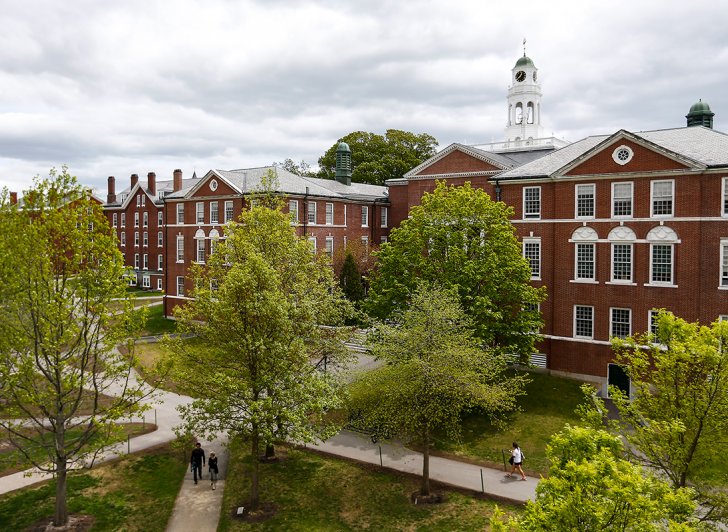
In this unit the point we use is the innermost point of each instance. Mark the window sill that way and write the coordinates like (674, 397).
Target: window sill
(661, 285)
(180, 262)
(536, 279)
(583, 281)
(723, 287)
(621, 283)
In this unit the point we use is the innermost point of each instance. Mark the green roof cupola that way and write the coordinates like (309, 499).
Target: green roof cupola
(700, 115)
(343, 163)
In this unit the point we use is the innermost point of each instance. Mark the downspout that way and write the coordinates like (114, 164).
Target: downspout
(305, 212)
(497, 191)
(165, 250)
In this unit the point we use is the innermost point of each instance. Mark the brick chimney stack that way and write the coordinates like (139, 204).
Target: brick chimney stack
(13, 198)
(152, 183)
(177, 181)
(111, 196)
(134, 180)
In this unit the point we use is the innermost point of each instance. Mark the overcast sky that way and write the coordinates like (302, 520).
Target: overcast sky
(115, 88)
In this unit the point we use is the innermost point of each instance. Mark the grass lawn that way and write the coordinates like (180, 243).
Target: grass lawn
(133, 291)
(313, 492)
(549, 405)
(11, 460)
(134, 493)
(157, 324)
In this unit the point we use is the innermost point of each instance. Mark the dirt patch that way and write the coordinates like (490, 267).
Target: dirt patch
(76, 523)
(436, 497)
(265, 511)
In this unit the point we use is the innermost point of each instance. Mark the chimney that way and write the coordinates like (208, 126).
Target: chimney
(152, 183)
(134, 180)
(111, 196)
(13, 198)
(177, 181)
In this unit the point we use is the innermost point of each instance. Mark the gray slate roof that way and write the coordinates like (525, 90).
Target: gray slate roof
(701, 144)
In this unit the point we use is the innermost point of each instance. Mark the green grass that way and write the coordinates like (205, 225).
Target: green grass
(135, 493)
(313, 492)
(133, 291)
(157, 324)
(547, 407)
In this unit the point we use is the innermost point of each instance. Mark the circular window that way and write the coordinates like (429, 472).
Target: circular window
(213, 185)
(622, 155)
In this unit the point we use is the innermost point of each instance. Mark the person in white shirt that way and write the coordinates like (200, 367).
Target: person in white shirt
(516, 460)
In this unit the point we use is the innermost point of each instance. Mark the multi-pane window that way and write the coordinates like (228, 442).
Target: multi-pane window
(136, 219)
(145, 220)
(621, 262)
(312, 242)
(136, 260)
(531, 202)
(139, 200)
(311, 214)
(145, 239)
(382, 239)
(160, 262)
(200, 250)
(146, 282)
(160, 218)
(724, 203)
(180, 213)
(144, 200)
(622, 199)
(228, 211)
(662, 198)
(180, 248)
(621, 322)
(583, 321)
(585, 262)
(661, 267)
(364, 216)
(123, 219)
(724, 263)
(384, 217)
(214, 213)
(200, 213)
(160, 239)
(180, 285)
(532, 252)
(652, 321)
(329, 214)
(146, 261)
(585, 201)
(365, 242)
(122, 238)
(330, 246)
(159, 283)
(113, 219)
(136, 238)
(293, 210)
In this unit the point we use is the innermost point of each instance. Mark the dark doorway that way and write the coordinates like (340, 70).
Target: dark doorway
(616, 376)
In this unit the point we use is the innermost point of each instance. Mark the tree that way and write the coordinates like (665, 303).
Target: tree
(301, 168)
(435, 372)
(264, 298)
(679, 409)
(376, 158)
(591, 487)
(350, 280)
(461, 238)
(61, 272)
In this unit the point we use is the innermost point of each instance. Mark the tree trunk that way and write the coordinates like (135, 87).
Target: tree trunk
(61, 515)
(425, 488)
(254, 449)
(270, 451)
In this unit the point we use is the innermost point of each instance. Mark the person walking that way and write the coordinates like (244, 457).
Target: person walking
(197, 460)
(212, 466)
(516, 460)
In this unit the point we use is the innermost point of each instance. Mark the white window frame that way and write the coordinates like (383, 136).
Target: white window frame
(329, 249)
(671, 281)
(145, 239)
(723, 266)
(576, 320)
(123, 219)
(200, 250)
(527, 213)
(329, 214)
(382, 239)
(631, 199)
(136, 219)
(214, 213)
(593, 247)
(312, 241)
(200, 213)
(180, 248)
(136, 239)
(293, 210)
(585, 186)
(160, 239)
(139, 200)
(365, 242)
(146, 281)
(160, 218)
(145, 219)
(651, 315)
(384, 217)
(311, 213)
(160, 262)
(144, 200)
(531, 241)
(122, 239)
(180, 213)
(160, 285)
(612, 322)
(653, 199)
(136, 261)
(145, 261)
(180, 285)
(365, 216)
(630, 246)
(229, 214)
(114, 218)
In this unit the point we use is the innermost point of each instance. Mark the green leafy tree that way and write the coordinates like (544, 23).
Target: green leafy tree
(350, 280)
(435, 371)
(591, 487)
(676, 421)
(376, 158)
(63, 385)
(301, 168)
(259, 307)
(461, 238)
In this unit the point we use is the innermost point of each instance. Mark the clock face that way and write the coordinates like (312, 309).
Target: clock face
(534, 76)
(520, 75)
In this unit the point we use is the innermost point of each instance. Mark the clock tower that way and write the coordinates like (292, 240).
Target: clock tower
(524, 103)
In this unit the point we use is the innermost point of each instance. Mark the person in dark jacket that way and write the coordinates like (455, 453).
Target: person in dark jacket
(212, 466)
(197, 460)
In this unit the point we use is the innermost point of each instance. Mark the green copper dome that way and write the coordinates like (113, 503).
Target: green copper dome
(524, 62)
(343, 146)
(699, 107)
(700, 115)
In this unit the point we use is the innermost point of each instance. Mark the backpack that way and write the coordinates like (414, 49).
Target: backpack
(523, 456)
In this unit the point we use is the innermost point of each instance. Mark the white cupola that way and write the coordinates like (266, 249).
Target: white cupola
(524, 102)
